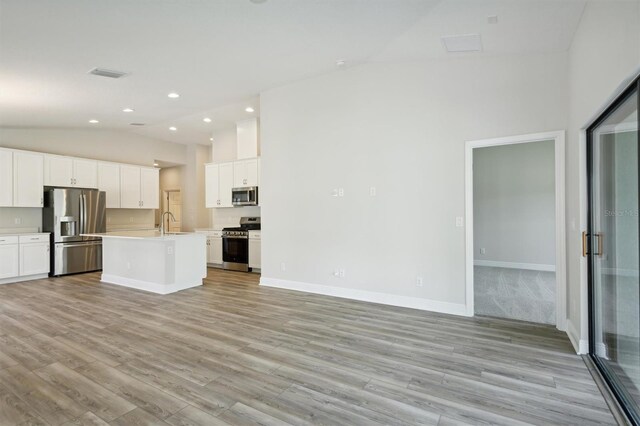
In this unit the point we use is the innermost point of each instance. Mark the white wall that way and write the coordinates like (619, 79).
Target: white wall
(107, 145)
(400, 128)
(514, 203)
(604, 52)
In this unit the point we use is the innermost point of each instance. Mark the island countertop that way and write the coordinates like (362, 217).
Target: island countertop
(142, 234)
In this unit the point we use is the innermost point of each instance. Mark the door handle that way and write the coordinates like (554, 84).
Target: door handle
(585, 244)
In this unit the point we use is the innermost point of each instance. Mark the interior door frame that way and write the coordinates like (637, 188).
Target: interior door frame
(560, 225)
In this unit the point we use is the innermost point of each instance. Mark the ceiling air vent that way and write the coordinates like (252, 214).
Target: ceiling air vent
(103, 72)
(136, 124)
(462, 43)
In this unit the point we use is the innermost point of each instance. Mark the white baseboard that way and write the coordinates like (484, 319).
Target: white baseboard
(581, 346)
(369, 296)
(515, 265)
(146, 285)
(22, 279)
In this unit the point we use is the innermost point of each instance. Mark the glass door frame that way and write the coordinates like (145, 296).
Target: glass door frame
(618, 392)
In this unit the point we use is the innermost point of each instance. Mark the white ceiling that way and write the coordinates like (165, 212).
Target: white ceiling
(220, 54)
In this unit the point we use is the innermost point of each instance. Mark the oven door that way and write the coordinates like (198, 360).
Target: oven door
(235, 253)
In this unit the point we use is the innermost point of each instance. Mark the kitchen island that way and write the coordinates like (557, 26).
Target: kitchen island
(151, 261)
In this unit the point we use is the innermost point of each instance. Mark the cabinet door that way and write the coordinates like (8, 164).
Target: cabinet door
(211, 184)
(239, 174)
(6, 178)
(10, 266)
(251, 178)
(34, 259)
(27, 179)
(150, 188)
(225, 175)
(109, 182)
(58, 171)
(216, 251)
(85, 173)
(130, 187)
(255, 253)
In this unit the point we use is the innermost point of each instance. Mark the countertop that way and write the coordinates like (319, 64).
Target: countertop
(142, 235)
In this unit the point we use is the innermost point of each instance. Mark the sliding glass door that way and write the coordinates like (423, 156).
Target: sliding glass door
(611, 244)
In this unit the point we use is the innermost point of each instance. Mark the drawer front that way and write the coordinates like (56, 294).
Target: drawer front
(9, 239)
(36, 238)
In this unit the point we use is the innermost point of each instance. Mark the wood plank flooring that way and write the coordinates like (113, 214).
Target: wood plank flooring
(74, 351)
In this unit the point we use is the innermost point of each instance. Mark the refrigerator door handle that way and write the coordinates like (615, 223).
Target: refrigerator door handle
(82, 207)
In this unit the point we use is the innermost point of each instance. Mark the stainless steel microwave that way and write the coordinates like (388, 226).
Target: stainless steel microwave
(247, 196)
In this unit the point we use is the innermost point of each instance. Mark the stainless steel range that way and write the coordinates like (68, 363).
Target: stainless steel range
(235, 244)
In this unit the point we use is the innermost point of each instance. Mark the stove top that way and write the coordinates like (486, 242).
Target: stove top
(246, 224)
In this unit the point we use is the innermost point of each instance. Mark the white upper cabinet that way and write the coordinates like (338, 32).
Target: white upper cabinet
(212, 198)
(219, 183)
(150, 188)
(139, 187)
(58, 170)
(6, 178)
(245, 173)
(221, 178)
(130, 187)
(70, 172)
(85, 173)
(28, 180)
(109, 182)
(225, 180)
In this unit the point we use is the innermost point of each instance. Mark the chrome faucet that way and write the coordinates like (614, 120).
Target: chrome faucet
(162, 230)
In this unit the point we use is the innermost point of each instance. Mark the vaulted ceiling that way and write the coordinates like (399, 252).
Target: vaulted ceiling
(220, 54)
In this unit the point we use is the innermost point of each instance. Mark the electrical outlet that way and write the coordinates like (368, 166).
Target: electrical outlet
(341, 192)
(283, 267)
(419, 282)
(372, 191)
(131, 219)
(459, 222)
(483, 250)
(17, 221)
(342, 273)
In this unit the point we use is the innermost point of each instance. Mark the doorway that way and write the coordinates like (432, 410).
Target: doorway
(611, 245)
(172, 202)
(501, 267)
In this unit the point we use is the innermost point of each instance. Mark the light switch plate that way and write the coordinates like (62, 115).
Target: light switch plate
(459, 222)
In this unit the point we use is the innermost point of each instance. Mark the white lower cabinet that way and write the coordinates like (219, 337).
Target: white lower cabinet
(10, 255)
(23, 256)
(214, 250)
(255, 250)
(214, 247)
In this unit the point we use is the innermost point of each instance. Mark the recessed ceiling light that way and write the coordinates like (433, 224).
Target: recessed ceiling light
(173, 129)
(211, 139)
(173, 95)
(206, 120)
(93, 121)
(128, 110)
(155, 164)
(341, 63)
(492, 19)
(249, 109)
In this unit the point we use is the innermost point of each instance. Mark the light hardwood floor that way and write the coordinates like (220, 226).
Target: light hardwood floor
(74, 351)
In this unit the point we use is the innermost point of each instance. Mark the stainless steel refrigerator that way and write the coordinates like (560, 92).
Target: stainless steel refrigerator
(68, 213)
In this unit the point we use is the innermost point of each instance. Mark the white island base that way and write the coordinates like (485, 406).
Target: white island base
(147, 260)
